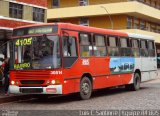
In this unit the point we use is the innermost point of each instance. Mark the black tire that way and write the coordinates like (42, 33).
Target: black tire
(85, 88)
(136, 83)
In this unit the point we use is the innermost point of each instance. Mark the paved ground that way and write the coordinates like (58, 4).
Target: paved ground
(146, 98)
(1, 92)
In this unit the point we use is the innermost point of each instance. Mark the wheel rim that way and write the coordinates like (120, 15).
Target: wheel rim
(85, 88)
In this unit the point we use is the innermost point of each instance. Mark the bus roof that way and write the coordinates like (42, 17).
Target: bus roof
(80, 28)
(33, 25)
(140, 36)
(91, 29)
(74, 27)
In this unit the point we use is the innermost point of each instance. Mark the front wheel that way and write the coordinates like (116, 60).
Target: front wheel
(136, 83)
(85, 88)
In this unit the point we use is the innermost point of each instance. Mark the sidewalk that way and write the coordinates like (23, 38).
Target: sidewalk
(11, 97)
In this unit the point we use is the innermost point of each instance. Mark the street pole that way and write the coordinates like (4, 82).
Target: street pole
(108, 15)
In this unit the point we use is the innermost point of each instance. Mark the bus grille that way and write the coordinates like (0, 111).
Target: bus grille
(29, 75)
(32, 81)
(31, 90)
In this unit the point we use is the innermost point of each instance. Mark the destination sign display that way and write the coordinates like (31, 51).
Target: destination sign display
(39, 30)
(35, 30)
(21, 65)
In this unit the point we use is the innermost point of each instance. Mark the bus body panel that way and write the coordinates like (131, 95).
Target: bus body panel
(146, 65)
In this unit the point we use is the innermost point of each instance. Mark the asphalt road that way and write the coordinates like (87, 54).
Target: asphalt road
(147, 98)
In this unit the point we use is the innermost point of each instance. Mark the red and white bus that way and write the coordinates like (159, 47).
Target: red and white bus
(64, 58)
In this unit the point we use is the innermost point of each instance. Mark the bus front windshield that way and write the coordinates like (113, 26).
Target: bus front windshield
(41, 52)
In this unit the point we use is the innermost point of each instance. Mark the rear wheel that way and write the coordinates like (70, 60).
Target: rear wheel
(85, 88)
(136, 83)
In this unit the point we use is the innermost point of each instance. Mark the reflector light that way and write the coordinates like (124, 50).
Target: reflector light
(51, 90)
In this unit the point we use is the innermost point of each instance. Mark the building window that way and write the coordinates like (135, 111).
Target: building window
(158, 29)
(141, 1)
(84, 21)
(83, 2)
(15, 10)
(38, 14)
(143, 25)
(153, 27)
(129, 22)
(148, 2)
(55, 3)
(136, 23)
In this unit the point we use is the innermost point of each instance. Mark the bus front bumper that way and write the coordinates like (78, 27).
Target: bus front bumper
(51, 89)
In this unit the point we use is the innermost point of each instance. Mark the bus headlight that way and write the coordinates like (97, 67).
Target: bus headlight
(12, 82)
(53, 82)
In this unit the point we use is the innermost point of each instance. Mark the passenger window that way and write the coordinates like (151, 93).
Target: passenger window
(85, 45)
(99, 45)
(112, 42)
(112, 48)
(135, 47)
(69, 46)
(151, 49)
(125, 47)
(143, 49)
(69, 51)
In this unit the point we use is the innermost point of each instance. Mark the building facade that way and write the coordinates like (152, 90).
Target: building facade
(136, 16)
(14, 13)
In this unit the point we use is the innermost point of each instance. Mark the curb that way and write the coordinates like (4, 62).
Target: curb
(14, 98)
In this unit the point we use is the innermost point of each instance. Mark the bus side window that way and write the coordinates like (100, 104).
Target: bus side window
(135, 47)
(151, 49)
(144, 48)
(69, 47)
(99, 45)
(85, 45)
(125, 47)
(113, 49)
(69, 51)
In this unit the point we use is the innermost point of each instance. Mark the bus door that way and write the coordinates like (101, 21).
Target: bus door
(144, 60)
(151, 50)
(153, 61)
(71, 71)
